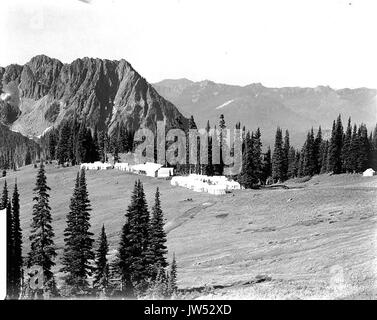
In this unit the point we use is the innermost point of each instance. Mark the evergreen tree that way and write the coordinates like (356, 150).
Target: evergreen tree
(63, 149)
(347, 166)
(309, 157)
(335, 147)
(363, 152)
(101, 146)
(42, 250)
(267, 165)
(123, 263)
(134, 249)
(141, 235)
(10, 251)
(17, 244)
(247, 177)
(317, 151)
(292, 163)
(172, 283)
(101, 275)
(82, 144)
(222, 144)
(373, 149)
(286, 148)
(158, 235)
(278, 158)
(257, 155)
(324, 158)
(51, 146)
(4, 197)
(354, 150)
(78, 239)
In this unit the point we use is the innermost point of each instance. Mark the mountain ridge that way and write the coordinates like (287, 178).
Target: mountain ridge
(44, 92)
(294, 108)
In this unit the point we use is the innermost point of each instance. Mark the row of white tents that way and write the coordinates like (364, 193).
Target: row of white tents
(149, 169)
(201, 183)
(98, 165)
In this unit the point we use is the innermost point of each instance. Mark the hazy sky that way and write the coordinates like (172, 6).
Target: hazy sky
(278, 43)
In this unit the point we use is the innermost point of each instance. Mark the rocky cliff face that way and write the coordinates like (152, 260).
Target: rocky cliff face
(45, 91)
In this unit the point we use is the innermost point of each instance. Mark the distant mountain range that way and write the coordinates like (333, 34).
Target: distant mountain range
(44, 91)
(293, 108)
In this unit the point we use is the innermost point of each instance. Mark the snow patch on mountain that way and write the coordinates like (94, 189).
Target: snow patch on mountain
(225, 104)
(45, 131)
(5, 96)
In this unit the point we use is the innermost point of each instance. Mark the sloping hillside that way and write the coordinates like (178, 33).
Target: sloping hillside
(317, 239)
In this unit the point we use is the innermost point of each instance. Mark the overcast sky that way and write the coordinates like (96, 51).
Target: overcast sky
(275, 42)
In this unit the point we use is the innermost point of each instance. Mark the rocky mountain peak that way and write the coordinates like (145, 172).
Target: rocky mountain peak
(103, 92)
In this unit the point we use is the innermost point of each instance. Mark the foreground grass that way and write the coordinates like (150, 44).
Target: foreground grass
(315, 240)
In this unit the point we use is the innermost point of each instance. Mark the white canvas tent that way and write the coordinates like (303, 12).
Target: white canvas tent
(149, 169)
(165, 172)
(369, 172)
(96, 166)
(122, 166)
(200, 183)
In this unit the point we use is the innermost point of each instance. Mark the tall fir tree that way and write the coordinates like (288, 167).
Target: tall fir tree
(309, 156)
(286, 147)
(64, 146)
(335, 147)
(364, 148)
(324, 158)
(257, 155)
(222, 143)
(42, 248)
(346, 149)
(78, 252)
(4, 197)
(10, 251)
(267, 165)
(354, 150)
(134, 249)
(172, 282)
(292, 163)
(123, 262)
(247, 177)
(17, 260)
(158, 235)
(317, 151)
(101, 274)
(278, 157)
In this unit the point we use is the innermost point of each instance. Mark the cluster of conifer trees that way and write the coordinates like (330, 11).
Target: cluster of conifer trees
(14, 241)
(73, 142)
(16, 150)
(346, 151)
(139, 268)
(349, 151)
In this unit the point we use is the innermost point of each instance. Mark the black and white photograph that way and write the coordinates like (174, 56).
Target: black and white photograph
(207, 151)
